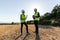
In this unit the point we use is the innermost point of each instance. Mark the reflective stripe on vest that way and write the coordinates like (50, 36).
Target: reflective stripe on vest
(23, 18)
(36, 18)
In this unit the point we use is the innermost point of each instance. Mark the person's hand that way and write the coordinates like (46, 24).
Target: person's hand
(33, 17)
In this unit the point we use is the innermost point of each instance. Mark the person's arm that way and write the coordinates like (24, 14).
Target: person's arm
(33, 17)
(38, 14)
(20, 17)
(26, 16)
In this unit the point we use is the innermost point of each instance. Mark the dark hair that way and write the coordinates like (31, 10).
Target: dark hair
(35, 9)
(22, 11)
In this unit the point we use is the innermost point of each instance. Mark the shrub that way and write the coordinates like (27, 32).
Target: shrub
(46, 22)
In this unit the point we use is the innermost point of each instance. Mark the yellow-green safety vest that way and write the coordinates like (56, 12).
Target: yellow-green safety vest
(23, 18)
(36, 18)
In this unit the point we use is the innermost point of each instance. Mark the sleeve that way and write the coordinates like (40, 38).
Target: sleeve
(38, 14)
(33, 17)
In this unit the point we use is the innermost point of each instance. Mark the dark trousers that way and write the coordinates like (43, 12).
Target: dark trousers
(36, 26)
(25, 25)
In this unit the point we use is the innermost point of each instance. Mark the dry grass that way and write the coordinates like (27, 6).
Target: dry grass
(12, 32)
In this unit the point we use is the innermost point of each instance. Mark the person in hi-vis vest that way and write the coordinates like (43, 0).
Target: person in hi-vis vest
(23, 21)
(36, 18)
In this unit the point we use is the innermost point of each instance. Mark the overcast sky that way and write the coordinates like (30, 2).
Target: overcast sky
(10, 10)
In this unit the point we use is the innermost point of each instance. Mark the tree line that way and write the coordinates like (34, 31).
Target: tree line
(50, 18)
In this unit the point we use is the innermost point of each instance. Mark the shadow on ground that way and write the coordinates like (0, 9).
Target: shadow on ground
(28, 36)
(37, 37)
(45, 26)
(18, 36)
